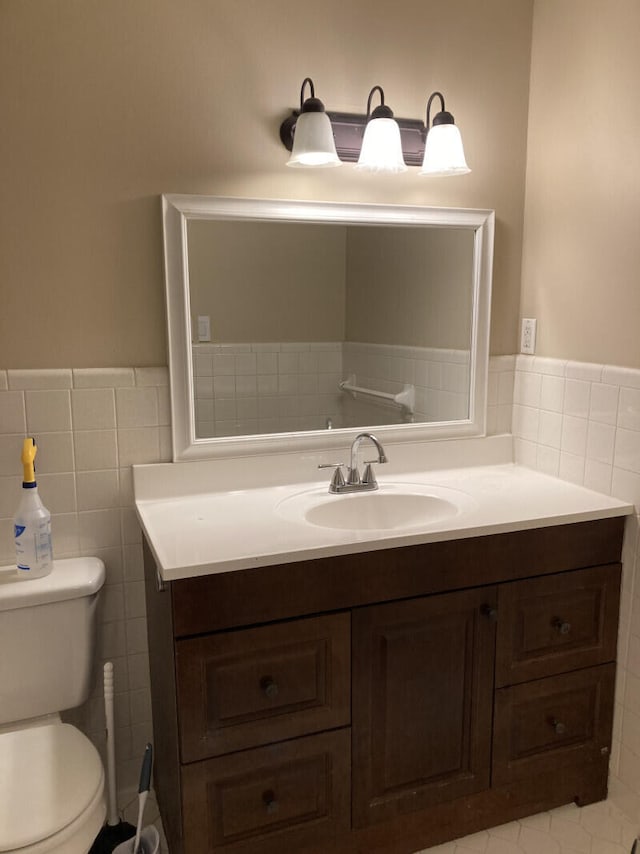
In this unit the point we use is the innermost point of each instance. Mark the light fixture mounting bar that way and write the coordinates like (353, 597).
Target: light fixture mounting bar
(348, 131)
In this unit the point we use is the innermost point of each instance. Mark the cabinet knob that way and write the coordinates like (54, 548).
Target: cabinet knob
(489, 612)
(562, 626)
(269, 687)
(558, 727)
(270, 802)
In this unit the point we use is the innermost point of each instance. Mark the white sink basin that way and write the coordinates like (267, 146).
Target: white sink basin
(379, 512)
(394, 507)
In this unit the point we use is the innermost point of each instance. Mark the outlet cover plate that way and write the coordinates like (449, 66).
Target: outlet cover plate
(528, 336)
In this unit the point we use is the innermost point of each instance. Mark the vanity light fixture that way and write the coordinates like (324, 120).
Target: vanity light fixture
(443, 152)
(317, 138)
(381, 145)
(313, 143)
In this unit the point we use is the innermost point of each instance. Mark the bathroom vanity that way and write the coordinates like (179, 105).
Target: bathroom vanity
(360, 673)
(388, 698)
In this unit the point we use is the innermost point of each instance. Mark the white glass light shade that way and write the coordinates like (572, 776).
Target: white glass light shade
(313, 143)
(443, 153)
(381, 147)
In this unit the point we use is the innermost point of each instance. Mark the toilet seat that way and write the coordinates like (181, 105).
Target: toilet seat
(51, 790)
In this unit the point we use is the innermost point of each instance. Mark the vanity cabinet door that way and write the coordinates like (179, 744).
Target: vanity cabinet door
(245, 688)
(422, 702)
(557, 623)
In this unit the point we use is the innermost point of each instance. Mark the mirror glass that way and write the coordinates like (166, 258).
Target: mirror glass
(291, 320)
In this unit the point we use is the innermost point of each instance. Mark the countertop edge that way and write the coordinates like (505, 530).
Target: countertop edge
(170, 573)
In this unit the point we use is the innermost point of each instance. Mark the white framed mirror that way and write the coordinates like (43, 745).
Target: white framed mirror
(294, 324)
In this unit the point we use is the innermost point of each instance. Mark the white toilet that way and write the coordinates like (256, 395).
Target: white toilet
(52, 783)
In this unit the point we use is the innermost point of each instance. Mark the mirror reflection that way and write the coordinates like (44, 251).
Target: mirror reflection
(300, 326)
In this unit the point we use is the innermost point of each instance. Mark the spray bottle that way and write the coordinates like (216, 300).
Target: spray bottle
(32, 522)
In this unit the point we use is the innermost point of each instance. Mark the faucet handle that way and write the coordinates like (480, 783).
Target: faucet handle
(337, 480)
(369, 476)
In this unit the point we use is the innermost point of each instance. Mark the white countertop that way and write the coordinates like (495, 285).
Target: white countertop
(223, 529)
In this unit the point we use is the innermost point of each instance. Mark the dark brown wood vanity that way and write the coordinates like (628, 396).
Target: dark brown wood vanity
(385, 701)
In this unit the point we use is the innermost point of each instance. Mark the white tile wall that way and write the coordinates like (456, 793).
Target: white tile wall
(440, 378)
(259, 388)
(570, 422)
(263, 388)
(581, 422)
(500, 383)
(90, 426)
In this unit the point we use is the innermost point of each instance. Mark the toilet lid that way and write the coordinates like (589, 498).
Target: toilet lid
(48, 776)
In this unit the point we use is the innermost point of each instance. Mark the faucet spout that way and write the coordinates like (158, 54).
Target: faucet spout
(354, 474)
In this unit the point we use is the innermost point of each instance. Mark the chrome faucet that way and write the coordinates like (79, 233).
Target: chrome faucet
(355, 483)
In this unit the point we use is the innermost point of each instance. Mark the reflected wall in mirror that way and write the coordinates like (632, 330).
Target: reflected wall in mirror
(323, 316)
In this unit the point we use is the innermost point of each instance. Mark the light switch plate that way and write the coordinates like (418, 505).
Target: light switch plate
(204, 327)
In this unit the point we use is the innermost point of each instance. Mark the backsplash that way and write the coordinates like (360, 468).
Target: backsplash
(581, 422)
(90, 426)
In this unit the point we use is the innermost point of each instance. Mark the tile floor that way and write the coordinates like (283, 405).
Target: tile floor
(596, 829)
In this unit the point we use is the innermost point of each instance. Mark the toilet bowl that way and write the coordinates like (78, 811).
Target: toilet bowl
(52, 782)
(52, 789)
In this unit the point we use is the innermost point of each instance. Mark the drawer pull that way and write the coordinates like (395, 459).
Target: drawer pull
(562, 626)
(269, 801)
(269, 687)
(558, 727)
(490, 613)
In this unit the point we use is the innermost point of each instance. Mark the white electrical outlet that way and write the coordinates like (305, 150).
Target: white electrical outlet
(204, 327)
(528, 336)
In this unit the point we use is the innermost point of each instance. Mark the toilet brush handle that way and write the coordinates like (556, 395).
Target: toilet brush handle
(112, 812)
(145, 771)
(143, 791)
(142, 799)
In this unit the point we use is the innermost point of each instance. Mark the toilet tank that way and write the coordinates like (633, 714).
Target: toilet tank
(47, 638)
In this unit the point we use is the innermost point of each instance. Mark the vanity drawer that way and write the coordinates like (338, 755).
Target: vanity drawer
(245, 688)
(269, 800)
(557, 623)
(554, 724)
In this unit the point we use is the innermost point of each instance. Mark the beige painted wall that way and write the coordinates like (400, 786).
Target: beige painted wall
(105, 105)
(268, 281)
(581, 257)
(265, 282)
(410, 286)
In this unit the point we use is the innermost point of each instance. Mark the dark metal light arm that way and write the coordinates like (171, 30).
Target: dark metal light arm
(441, 118)
(312, 104)
(307, 80)
(381, 111)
